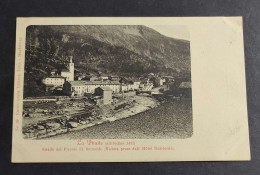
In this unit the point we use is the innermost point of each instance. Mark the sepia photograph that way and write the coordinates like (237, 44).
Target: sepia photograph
(129, 89)
(107, 82)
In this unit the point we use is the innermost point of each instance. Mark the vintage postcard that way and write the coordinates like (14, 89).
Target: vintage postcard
(124, 89)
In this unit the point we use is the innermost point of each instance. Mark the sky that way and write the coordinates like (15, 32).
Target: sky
(179, 32)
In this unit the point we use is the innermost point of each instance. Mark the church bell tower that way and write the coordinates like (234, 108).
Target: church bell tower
(71, 68)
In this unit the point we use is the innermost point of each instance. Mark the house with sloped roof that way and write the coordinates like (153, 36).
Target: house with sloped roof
(92, 85)
(74, 88)
(114, 78)
(53, 81)
(105, 93)
(79, 88)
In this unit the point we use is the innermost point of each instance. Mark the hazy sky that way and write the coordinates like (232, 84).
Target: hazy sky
(180, 32)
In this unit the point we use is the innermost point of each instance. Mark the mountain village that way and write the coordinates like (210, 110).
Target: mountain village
(105, 86)
(91, 100)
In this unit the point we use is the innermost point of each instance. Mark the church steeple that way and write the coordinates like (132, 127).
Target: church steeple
(69, 74)
(71, 68)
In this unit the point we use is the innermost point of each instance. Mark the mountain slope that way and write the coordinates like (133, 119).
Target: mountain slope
(120, 50)
(133, 44)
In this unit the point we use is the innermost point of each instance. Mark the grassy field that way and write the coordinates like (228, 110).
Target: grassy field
(172, 119)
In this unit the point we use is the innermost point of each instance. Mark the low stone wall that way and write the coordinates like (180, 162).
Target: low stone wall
(47, 98)
(40, 99)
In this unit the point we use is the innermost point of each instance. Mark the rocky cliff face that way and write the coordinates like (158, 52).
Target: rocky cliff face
(117, 49)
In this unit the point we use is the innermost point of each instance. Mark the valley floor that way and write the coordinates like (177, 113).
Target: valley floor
(171, 119)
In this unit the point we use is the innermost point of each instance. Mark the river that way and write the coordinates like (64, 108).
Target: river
(172, 119)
